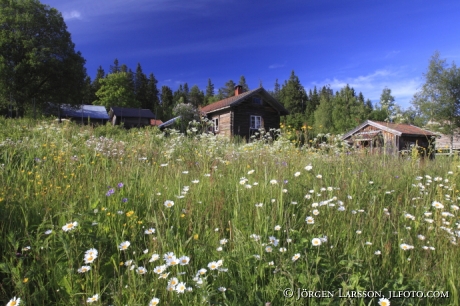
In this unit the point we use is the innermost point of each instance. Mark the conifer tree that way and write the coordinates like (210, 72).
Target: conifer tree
(196, 96)
(152, 95)
(323, 114)
(115, 68)
(141, 88)
(95, 85)
(243, 83)
(228, 90)
(209, 92)
(167, 103)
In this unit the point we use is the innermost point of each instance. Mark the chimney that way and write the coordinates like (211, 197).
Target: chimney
(238, 90)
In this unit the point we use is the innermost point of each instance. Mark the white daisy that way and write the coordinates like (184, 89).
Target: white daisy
(141, 270)
(180, 288)
(316, 242)
(124, 245)
(14, 302)
(69, 226)
(92, 299)
(84, 269)
(295, 257)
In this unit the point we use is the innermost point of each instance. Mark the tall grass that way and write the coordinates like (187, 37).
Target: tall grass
(242, 206)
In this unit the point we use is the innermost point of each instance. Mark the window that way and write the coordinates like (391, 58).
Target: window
(215, 122)
(256, 122)
(257, 100)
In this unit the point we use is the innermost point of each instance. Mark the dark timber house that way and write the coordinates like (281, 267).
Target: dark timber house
(130, 117)
(386, 137)
(245, 113)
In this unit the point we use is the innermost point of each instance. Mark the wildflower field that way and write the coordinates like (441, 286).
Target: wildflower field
(105, 216)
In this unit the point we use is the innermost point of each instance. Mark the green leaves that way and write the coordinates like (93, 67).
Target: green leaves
(37, 58)
(115, 91)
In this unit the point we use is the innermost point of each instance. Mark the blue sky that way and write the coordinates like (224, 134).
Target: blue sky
(367, 44)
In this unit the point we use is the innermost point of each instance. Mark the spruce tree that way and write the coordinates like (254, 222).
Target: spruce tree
(167, 103)
(209, 92)
(95, 85)
(196, 96)
(141, 88)
(228, 90)
(243, 83)
(115, 68)
(152, 95)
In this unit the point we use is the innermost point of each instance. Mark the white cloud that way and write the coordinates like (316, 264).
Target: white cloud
(274, 66)
(391, 54)
(71, 15)
(403, 86)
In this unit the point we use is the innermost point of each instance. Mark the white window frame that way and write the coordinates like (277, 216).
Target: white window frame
(215, 123)
(255, 122)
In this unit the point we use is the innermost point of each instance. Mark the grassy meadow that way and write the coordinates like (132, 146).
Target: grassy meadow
(105, 216)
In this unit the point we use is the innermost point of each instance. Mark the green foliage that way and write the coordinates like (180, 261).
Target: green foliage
(37, 59)
(196, 96)
(115, 91)
(227, 91)
(292, 95)
(187, 113)
(243, 83)
(438, 100)
(167, 103)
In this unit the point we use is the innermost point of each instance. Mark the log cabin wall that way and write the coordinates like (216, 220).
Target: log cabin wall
(225, 124)
(243, 112)
(389, 139)
(132, 122)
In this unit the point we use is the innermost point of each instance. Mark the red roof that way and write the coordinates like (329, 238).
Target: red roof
(225, 102)
(405, 128)
(235, 100)
(394, 128)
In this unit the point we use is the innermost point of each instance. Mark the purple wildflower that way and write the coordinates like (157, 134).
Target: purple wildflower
(124, 200)
(110, 192)
(120, 185)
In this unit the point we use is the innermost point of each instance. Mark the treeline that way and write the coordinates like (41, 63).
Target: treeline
(321, 110)
(325, 111)
(123, 87)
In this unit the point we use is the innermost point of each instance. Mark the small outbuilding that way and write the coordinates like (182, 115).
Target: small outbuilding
(387, 137)
(131, 117)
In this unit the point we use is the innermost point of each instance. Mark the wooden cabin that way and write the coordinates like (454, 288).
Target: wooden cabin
(245, 113)
(131, 117)
(386, 137)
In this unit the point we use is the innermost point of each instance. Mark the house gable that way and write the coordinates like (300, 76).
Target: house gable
(245, 113)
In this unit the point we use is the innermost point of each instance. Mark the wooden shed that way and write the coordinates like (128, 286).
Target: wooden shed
(245, 113)
(386, 137)
(131, 117)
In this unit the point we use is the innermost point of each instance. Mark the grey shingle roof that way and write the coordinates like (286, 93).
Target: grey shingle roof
(132, 112)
